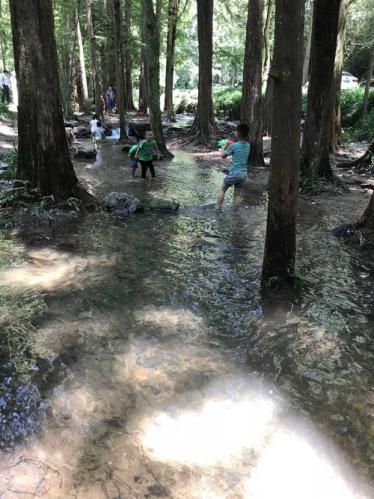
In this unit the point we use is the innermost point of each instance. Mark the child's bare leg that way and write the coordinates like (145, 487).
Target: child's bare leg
(237, 197)
(221, 197)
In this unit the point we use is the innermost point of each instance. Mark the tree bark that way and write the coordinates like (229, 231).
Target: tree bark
(43, 155)
(266, 41)
(151, 23)
(173, 9)
(369, 76)
(336, 124)
(267, 107)
(308, 47)
(2, 36)
(120, 68)
(94, 66)
(251, 105)
(280, 245)
(317, 130)
(82, 67)
(129, 103)
(367, 219)
(204, 124)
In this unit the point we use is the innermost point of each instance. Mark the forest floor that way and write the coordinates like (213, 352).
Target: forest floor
(139, 358)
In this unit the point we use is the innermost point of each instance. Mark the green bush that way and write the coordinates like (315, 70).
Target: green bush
(352, 106)
(11, 160)
(226, 103)
(4, 110)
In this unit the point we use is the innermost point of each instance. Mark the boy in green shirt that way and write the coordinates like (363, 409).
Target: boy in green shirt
(146, 151)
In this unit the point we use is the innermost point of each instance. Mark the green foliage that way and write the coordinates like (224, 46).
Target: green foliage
(11, 160)
(352, 106)
(227, 103)
(4, 110)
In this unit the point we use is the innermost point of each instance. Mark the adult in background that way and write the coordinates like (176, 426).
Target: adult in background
(5, 83)
(109, 98)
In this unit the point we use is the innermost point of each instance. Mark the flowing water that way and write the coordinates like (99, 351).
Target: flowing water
(140, 360)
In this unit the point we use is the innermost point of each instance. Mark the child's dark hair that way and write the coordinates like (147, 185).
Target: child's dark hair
(95, 117)
(243, 130)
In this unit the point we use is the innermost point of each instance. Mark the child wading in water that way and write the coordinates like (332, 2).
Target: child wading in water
(147, 150)
(238, 171)
(95, 129)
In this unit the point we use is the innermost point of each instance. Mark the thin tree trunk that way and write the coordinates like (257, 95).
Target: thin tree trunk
(266, 41)
(317, 130)
(280, 245)
(173, 9)
(151, 20)
(94, 66)
(251, 105)
(82, 67)
(336, 123)
(143, 97)
(110, 52)
(267, 107)
(308, 47)
(369, 76)
(2, 45)
(129, 105)
(204, 124)
(43, 155)
(120, 68)
(367, 219)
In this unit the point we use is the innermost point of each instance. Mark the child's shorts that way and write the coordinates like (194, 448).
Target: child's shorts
(235, 179)
(133, 162)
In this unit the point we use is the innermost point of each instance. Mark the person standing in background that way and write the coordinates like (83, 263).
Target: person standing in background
(5, 83)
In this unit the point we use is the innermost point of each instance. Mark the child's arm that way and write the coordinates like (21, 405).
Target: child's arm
(157, 151)
(138, 151)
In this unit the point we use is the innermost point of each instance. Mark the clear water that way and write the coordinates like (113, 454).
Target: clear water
(139, 358)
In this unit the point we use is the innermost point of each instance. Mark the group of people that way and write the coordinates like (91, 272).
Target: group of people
(147, 150)
(239, 150)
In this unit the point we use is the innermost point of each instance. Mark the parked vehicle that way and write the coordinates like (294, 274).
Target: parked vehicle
(349, 82)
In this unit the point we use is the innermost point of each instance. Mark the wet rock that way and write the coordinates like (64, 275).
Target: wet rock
(122, 203)
(161, 204)
(81, 152)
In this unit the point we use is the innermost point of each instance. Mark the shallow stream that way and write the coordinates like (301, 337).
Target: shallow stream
(140, 360)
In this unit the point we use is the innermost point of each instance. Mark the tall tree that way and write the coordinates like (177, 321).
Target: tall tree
(336, 123)
(280, 245)
(369, 76)
(43, 155)
(317, 130)
(129, 104)
(94, 65)
(266, 40)
(308, 46)
(204, 124)
(251, 105)
(173, 12)
(120, 67)
(151, 25)
(82, 65)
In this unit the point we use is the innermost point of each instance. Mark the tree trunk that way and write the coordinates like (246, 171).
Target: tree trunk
(151, 23)
(82, 67)
(267, 108)
(367, 219)
(308, 47)
(336, 123)
(2, 37)
(143, 94)
(94, 66)
(110, 52)
(317, 130)
(204, 124)
(280, 245)
(120, 68)
(251, 105)
(129, 104)
(43, 155)
(173, 9)
(266, 41)
(369, 76)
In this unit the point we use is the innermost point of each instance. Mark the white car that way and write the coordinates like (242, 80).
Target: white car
(349, 82)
